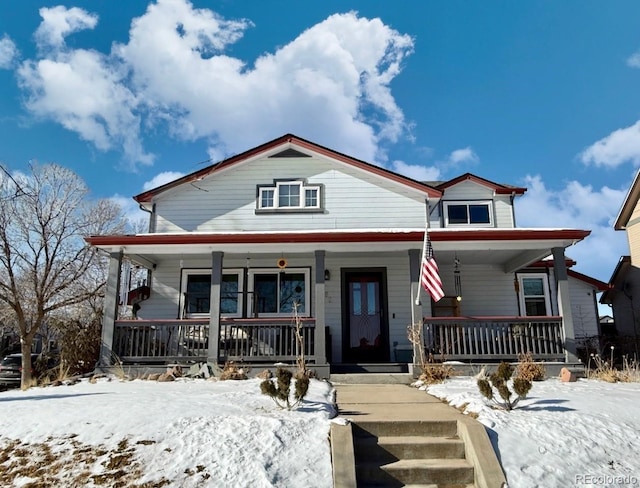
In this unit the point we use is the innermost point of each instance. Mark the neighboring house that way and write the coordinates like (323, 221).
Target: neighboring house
(290, 227)
(623, 294)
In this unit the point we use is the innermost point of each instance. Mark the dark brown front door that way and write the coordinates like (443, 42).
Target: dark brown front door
(366, 331)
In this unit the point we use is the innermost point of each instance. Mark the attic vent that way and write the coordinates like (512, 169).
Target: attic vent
(290, 153)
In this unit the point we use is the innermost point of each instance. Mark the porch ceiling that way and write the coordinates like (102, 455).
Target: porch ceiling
(510, 248)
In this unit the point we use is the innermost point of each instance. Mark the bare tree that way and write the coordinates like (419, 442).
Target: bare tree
(45, 264)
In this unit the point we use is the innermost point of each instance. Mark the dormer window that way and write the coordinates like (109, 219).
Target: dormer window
(477, 213)
(289, 195)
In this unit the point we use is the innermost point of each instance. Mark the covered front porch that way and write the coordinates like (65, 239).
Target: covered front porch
(345, 281)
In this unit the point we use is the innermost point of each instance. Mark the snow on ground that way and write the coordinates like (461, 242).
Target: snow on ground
(197, 433)
(187, 433)
(584, 434)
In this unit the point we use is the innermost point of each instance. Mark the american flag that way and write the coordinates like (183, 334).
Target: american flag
(429, 274)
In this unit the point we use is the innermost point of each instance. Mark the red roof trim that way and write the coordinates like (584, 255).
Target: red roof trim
(346, 236)
(290, 138)
(549, 263)
(599, 285)
(498, 188)
(507, 234)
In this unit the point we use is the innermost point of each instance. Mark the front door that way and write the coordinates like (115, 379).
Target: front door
(366, 331)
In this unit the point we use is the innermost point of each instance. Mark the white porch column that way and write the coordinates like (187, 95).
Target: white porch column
(564, 304)
(110, 310)
(319, 339)
(214, 310)
(415, 256)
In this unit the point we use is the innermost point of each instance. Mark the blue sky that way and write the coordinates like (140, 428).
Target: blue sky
(540, 94)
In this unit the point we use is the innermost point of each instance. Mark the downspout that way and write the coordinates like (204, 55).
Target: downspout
(152, 217)
(513, 210)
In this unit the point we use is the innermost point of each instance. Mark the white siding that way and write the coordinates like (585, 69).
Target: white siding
(503, 211)
(583, 309)
(486, 290)
(227, 201)
(468, 190)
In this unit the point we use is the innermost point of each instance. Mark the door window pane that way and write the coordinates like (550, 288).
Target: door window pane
(372, 298)
(356, 301)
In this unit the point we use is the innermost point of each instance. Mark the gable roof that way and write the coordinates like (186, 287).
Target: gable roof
(617, 278)
(498, 188)
(629, 204)
(596, 283)
(289, 143)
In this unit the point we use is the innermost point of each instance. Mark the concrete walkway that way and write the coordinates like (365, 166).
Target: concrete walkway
(402, 403)
(391, 402)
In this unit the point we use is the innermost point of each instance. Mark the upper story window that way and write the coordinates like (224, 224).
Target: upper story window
(289, 195)
(468, 213)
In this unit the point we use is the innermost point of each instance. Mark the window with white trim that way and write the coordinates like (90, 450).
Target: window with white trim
(534, 294)
(196, 292)
(472, 213)
(274, 292)
(291, 194)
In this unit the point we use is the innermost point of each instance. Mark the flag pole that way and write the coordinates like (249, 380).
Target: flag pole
(424, 250)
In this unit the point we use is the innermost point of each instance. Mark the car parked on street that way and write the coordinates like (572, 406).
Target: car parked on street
(11, 369)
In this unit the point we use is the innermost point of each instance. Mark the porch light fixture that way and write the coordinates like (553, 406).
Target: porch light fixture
(456, 278)
(327, 275)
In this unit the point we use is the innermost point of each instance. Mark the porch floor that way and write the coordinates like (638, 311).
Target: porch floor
(350, 368)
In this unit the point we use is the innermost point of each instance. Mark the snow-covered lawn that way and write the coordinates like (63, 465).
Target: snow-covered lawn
(580, 434)
(197, 433)
(187, 433)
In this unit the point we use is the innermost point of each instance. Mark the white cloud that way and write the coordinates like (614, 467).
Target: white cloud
(161, 178)
(460, 156)
(621, 146)
(8, 52)
(331, 84)
(58, 22)
(633, 61)
(582, 207)
(416, 171)
(456, 159)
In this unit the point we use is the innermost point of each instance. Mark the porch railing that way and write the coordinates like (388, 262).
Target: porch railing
(148, 341)
(250, 340)
(265, 339)
(493, 338)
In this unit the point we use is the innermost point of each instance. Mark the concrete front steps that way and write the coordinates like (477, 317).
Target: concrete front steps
(417, 453)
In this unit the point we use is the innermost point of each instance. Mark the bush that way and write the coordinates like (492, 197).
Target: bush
(530, 370)
(605, 371)
(498, 381)
(433, 373)
(279, 391)
(233, 371)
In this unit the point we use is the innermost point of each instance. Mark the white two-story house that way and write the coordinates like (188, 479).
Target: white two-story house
(291, 231)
